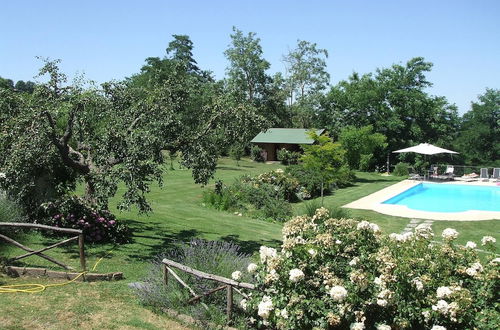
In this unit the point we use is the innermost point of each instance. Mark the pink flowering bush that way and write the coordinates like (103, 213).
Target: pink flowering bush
(97, 225)
(342, 273)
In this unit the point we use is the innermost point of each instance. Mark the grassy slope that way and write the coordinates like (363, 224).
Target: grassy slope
(178, 215)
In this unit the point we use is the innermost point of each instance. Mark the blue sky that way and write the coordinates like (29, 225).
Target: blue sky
(110, 39)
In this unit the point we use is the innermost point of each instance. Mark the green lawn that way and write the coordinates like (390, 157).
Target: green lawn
(178, 216)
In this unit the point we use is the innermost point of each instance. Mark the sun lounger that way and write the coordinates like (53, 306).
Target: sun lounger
(484, 176)
(415, 176)
(495, 177)
(467, 177)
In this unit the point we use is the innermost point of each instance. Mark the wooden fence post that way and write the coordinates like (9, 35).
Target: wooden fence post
(81, 247)
(165, 274)
(229, 303)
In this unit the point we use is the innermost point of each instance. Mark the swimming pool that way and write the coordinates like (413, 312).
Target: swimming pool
(433, 197)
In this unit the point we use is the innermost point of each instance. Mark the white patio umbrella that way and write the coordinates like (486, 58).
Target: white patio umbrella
(426, 149)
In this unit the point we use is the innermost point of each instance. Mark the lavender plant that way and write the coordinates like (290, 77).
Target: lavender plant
(214, 257)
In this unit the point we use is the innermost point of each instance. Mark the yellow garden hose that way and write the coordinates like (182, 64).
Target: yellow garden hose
(33, 288)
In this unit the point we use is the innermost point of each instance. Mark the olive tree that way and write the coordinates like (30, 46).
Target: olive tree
(106, 135)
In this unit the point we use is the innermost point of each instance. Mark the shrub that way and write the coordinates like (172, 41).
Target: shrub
(288, 157)
(401, 169)
(97, 225)
(219, 258)
(266, 196)
(236, 152)
(309, 179)
(341, 274)
(10, 212)
(256, 154)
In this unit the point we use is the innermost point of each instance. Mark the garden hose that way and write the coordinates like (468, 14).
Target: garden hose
(34, 288)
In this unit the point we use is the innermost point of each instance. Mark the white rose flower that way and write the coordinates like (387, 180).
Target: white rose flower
(354, 261)
(252, 268)
(426, 315)
(383, 327)
(279, 170)
(284, 313)
(363, 225)
(375, 228)
(418, 284)
(296, 275)
(406, 236)
(438, 327)
(312, 252)
(2, 175)
(382, 302)
(357, 326)
(266, 253)
(488, 239)
(338, 242)
(236, 275)
(265, 307)
(441, 307)
(338, 293)
(449, 234)
(474, 269)
(378, 281)
(243, 304)
(470, 245)
(495, 261)
(443, 292)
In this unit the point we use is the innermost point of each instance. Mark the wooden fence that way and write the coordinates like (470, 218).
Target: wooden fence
(79, 237)
(226, 283)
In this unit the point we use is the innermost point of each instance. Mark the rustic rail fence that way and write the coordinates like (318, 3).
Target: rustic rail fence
(79, 236)
(228, 284)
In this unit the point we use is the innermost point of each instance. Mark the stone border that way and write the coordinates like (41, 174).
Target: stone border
(42, 272)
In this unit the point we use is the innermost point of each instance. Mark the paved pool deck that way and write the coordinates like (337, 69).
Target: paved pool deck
(374, 202)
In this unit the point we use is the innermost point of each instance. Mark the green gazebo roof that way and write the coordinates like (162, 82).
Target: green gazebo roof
(286, 135)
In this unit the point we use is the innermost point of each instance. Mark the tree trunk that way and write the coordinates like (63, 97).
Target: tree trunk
(321, 193)
(90, 191)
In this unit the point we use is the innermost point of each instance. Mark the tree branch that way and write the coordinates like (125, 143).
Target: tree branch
(62, 145)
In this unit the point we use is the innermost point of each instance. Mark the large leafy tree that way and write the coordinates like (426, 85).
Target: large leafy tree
(110, 134)
(307, 78)
(246, 72)
(395, 103)
(479, 139)
(361, 145)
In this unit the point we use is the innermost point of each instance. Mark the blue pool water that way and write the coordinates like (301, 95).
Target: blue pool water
(434, 197)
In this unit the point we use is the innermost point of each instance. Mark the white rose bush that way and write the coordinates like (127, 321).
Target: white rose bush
(358, 278)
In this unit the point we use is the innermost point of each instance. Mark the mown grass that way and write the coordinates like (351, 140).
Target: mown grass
(178, 216)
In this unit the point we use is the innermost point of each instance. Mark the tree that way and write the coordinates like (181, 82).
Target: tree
(395, 103)
(360, 145)
(326, 158)
(27, 87)
(110, 135)
(306, 80)
(247, 68)
(479, 138)
(181, 49)
(6, 83)
(306, 67)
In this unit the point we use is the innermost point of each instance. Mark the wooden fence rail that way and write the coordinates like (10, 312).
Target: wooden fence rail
(228, 284)
(79, 237)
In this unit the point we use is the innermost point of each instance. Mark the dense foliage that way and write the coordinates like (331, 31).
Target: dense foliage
(288, 157)
(98, 226)
(341, 273)
(117, 132)
(265, 196)
(327, 160)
